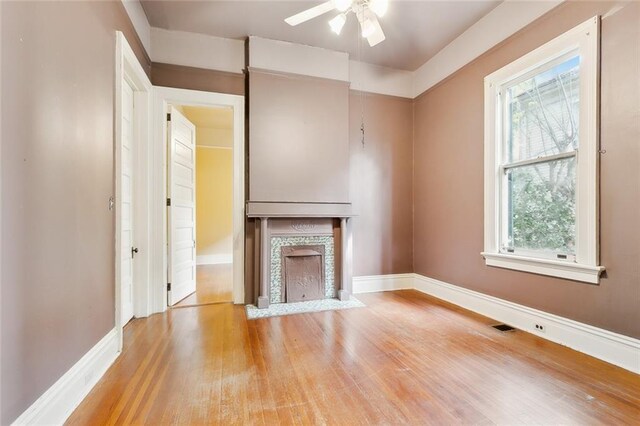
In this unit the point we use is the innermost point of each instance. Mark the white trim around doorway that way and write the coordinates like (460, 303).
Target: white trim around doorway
(129, 71)
(164, 98)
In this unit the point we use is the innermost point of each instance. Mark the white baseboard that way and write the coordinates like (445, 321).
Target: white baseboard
(373, 283)
(58, 402)
(608, 346)
(214, 259)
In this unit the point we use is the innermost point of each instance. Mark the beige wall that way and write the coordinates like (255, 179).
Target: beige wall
(58, 61)
(381, 184)
(214, 182)
(214, 201)
(219, 137)
(449, 178)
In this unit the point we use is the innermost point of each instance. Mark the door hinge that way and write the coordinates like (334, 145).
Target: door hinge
(168, 202)
(168, 116)
(168, 286)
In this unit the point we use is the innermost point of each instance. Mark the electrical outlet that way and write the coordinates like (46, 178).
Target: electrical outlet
(541, 328)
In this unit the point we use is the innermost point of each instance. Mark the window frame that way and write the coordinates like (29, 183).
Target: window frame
(582, 40)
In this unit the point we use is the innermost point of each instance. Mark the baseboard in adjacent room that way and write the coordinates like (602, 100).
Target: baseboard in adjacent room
(214, 259)
(58, 402)
(608, 346)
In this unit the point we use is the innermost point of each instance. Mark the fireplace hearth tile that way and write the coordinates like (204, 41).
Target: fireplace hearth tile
(279, 309)
(276, 292)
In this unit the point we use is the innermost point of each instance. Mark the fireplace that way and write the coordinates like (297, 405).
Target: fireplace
(303, 273)
(288, 237)
(302, 253)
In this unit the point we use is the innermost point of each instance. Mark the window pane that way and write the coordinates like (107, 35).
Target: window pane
(542, 113)
(541, 206)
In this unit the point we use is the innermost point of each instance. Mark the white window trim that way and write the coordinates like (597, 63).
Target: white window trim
(583, 39)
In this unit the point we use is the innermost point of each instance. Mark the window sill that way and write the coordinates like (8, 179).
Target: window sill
(553, 268)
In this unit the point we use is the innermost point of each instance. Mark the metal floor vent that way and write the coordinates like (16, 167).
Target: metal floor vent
(503, 327)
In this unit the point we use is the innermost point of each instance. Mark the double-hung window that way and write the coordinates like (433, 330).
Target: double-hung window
(541, 159)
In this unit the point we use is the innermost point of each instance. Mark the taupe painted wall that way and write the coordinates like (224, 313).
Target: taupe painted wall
(381, 184)
(182, 77)
(299, 139)
(449, 178)
(57, 176)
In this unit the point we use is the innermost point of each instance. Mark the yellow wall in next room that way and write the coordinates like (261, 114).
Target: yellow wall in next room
(214, 197)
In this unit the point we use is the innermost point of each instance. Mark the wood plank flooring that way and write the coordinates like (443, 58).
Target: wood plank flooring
(214, 284)
(406, 358)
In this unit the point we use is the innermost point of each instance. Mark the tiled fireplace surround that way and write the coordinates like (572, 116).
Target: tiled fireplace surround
(322, 230)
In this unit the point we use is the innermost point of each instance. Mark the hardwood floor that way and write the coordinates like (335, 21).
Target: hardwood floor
(214, 284)
(405, 358)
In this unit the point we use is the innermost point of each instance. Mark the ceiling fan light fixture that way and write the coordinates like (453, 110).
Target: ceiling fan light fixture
(367, 28)
(366, 11)
(337, 23)
(379, 7)
(342, 5)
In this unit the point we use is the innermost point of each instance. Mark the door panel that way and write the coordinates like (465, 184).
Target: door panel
(182, 212)
(127, 204)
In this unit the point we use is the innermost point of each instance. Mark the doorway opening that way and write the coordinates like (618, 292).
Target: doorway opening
(208, 217)
(176, 166)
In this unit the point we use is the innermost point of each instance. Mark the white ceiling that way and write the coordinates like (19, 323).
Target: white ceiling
(415, 30)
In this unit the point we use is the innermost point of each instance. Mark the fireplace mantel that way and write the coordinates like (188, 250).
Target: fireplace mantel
(258, 209)
(292, 223)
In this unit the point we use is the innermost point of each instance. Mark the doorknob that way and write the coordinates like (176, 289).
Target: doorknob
(134, 250)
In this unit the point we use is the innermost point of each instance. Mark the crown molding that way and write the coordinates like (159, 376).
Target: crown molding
(381, 80)
(197, 50)
(496, 26)
(140, 22)
(227, 55)
(292, 58)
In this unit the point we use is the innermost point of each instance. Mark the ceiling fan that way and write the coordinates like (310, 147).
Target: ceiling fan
(366, 11)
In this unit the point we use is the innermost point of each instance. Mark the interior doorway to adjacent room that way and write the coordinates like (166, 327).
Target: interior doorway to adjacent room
(173, 177)
(200, 216)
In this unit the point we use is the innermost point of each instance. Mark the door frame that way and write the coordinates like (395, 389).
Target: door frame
(175, 202)
(129, 71)
(164, 98)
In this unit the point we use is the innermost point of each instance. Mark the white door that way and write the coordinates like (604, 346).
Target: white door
(182, 207)
(127, 159)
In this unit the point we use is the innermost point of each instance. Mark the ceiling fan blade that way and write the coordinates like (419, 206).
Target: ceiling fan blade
(377, 35)
(304, 16)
